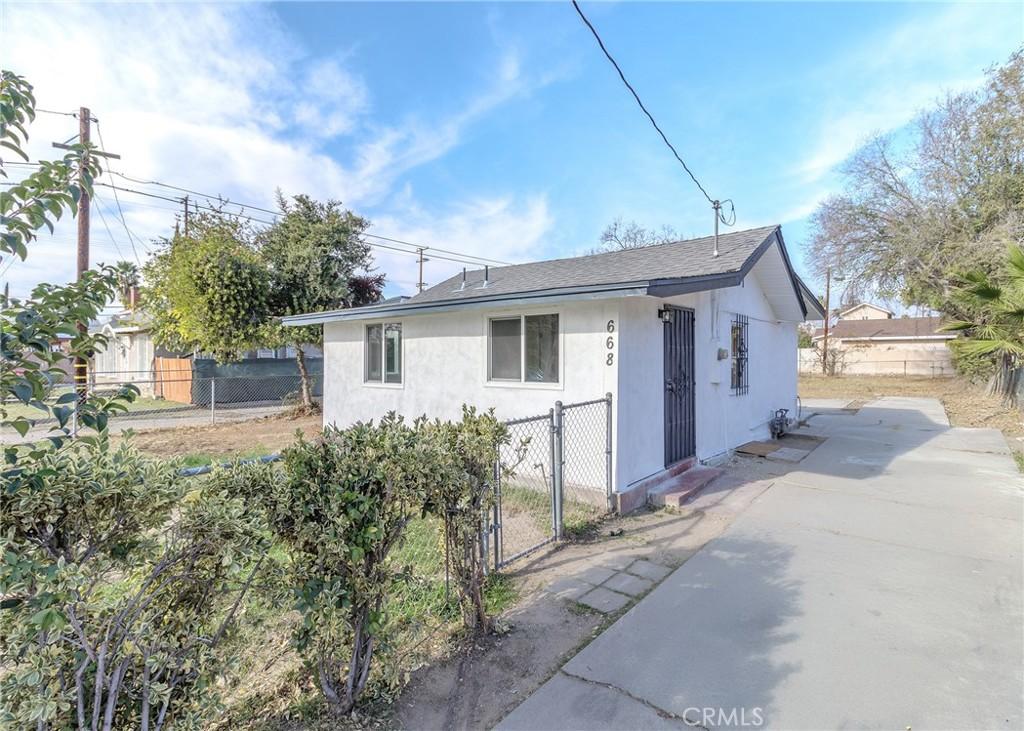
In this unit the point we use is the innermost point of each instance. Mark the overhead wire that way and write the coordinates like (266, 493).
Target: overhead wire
(120, 211)
(251, 207)
(713, 201)
(434, 251)
(62, 114)
(103, 218)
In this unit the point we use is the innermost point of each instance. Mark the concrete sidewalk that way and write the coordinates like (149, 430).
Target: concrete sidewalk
(879, 585)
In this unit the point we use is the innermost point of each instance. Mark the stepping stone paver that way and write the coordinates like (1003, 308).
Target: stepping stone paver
(628, 584)
(569, 587)
(649, 570)
(604, 600)
(595, 575)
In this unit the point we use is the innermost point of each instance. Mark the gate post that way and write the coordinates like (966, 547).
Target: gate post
(556, 467)
(608, 451)
(496, 525)
(213, 400)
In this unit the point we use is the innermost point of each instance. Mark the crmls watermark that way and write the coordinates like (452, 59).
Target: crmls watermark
(725, 717)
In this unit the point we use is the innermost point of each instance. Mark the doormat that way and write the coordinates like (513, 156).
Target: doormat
(758, 449)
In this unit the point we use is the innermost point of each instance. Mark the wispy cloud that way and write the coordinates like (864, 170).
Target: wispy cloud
(880, 85)
(223, 98)
(505, 228)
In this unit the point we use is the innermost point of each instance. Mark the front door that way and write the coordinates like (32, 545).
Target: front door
(680, 418)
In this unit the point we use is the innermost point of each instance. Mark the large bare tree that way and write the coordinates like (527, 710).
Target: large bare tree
(916, 210)
(619, 235)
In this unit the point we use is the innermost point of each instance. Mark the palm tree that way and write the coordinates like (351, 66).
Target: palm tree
(127, 275)
(995, 330)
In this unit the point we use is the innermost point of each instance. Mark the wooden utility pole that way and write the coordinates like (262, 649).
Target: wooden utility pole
(824, 339)
(185, 202)
(84, 130)
(84, 137)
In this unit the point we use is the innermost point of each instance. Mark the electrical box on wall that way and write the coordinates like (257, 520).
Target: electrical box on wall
(723, 353)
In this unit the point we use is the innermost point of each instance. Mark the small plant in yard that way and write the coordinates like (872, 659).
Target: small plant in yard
(340, 509)
(462, 495)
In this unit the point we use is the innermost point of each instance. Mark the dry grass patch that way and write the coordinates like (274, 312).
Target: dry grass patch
(226, 441)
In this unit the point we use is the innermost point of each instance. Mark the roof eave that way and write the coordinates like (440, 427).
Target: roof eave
(624, 289)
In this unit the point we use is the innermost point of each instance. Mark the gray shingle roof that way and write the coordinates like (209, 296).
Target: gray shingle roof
(691, 258)
(661, 271)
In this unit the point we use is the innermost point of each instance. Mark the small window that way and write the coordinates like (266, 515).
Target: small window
(541, 348)
(739, 355)
(383, 362)
(506, 349)
(523, 349)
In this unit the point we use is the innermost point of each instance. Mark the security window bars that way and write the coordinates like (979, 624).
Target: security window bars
(383, 346)
(523, 349)
(740, 384)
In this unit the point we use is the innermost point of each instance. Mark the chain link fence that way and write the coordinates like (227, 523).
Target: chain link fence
(911, 367)
(171, 399)
(557, 482)
(556, 478)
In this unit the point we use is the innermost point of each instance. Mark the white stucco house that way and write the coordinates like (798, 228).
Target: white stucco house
(697, 350)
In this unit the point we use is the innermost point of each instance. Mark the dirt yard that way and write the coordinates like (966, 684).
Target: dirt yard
(966, 404)
(234, 439)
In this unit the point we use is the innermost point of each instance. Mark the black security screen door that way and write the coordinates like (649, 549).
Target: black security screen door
(680, 419)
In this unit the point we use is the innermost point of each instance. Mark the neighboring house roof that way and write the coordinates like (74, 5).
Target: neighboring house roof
(860, 305)
(662, 270)
(900, 328)
(126, 321)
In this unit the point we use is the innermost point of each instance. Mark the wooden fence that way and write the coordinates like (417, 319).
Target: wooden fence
(173, 378)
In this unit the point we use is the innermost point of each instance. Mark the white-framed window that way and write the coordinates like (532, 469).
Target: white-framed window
(383, 353)
(523, 348)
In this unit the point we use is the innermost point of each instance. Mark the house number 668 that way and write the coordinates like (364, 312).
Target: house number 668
(610, 343)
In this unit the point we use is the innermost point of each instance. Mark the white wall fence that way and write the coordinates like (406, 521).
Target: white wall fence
(932, 363)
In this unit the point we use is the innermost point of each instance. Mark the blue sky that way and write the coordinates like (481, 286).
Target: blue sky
(494, 129)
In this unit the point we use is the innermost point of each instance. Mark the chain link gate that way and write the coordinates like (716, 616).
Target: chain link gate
(558, 481)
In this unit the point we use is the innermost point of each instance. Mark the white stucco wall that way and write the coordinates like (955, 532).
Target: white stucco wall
(724, 420)
(445, 365)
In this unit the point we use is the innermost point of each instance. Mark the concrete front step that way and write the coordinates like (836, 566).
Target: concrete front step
(674, 492)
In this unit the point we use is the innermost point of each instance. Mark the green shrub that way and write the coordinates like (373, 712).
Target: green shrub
(461, 495)
(340, 508)
(118, 586)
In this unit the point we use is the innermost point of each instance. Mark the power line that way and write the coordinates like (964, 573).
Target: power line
(460, 257)
(61, 114)
(110, 233)
(131, 239)
(714, 202)
(251, 207)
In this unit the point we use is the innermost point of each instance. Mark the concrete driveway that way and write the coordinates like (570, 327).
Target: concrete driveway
(878, 585)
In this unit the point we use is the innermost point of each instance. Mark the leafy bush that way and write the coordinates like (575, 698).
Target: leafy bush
(461, 495)
(340, 509)
(118, 585)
